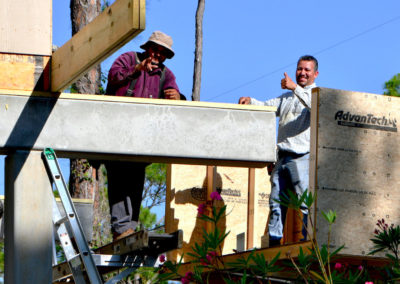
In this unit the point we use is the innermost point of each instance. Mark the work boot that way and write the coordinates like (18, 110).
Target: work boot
(117, 236)
(274, 243)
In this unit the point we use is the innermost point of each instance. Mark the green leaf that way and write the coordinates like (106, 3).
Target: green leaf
(316, 275)
(309, 200)
(205, 218)
(337, 251)
(330, 216)
(393, 86)
(220, 213)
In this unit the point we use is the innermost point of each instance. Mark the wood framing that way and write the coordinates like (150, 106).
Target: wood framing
(188, 187)
(114, 27)
(26, 27)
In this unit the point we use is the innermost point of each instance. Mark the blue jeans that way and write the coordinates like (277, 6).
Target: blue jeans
(290, 173)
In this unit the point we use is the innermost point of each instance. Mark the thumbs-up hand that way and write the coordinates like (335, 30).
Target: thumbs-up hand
(287, 83)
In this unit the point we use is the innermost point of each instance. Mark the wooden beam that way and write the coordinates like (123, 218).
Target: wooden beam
(372, 264)
(269, 253)
(114, 27)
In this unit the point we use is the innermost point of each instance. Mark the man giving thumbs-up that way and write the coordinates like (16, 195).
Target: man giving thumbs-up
(291, 169)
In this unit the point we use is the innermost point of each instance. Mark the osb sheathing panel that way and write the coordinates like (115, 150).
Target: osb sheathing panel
(358, 165)
(24, 72)
(187, 190)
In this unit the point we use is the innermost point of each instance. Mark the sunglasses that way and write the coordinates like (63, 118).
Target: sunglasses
(158, 49)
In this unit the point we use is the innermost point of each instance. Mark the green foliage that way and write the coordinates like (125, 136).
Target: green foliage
(103, 76)
(2, 257)
(256, 264)
(146, 218)
(387, 239)
(73, 89)
(169, 270)
(146, 275)
(330, 216)
(155, 185)
(393, 86)
(207, 255)
(56, 193)
(105, 4)
(296, 202)
(316, 265)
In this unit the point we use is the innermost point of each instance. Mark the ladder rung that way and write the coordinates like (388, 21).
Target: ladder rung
(60, 221)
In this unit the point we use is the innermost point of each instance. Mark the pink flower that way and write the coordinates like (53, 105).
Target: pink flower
(338, 266)
(215, 196)
(203, 261)
(360, 268)
(189, 275)
(209, 257)
(187, 278)
(162, 258)
(212, 253)
(201, 209)
(369, 282)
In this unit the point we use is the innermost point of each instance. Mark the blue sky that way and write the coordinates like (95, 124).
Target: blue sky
(249, 44)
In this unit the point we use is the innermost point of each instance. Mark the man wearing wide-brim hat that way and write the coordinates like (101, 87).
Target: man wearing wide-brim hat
(145, 71)
(143, 75)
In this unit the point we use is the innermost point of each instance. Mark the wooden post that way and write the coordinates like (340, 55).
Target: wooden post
(250, 209)
(211, 186)
(293, 227)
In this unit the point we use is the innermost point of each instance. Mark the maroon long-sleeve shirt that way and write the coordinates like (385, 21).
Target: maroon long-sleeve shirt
(147, 84)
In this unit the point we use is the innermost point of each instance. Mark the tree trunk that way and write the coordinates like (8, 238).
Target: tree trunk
(86, 181)
(198, 51)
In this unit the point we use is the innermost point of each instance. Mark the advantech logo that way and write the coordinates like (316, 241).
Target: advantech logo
(369, 121)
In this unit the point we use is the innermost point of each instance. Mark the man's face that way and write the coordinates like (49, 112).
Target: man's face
(157, 52)
(305, 73)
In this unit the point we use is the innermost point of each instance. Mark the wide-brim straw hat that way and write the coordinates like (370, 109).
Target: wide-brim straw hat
(161, 39)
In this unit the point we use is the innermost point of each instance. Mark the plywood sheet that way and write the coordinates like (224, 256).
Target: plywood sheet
(24, 72)
(357, 164)
(187, 190)
(26, 27)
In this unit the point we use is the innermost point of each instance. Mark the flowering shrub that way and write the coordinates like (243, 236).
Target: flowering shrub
(315, 267)
(207, 254)
(312, 267)
(387, 239)
(215, 196)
